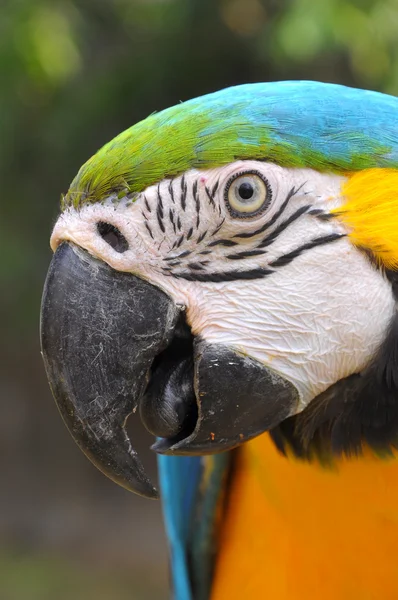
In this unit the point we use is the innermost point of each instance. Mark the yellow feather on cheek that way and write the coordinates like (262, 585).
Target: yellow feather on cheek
(371, 213)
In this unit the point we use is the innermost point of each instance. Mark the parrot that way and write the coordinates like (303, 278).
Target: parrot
(225, 275)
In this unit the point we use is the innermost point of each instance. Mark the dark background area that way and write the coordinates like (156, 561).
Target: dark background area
(73, 75)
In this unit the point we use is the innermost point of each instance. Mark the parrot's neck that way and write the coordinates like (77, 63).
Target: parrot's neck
(297, 531)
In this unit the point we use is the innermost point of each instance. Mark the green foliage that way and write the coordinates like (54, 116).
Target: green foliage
(364, 31)
(50, 578)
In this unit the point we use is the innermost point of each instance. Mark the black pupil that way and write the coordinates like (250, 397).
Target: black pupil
(112, 236)
(245, 191)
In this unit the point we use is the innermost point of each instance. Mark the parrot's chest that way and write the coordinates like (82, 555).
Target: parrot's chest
(295, 531)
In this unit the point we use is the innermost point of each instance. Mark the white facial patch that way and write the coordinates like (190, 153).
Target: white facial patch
(284, 285)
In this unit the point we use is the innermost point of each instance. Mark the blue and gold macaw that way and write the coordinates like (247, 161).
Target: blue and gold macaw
(227, 269)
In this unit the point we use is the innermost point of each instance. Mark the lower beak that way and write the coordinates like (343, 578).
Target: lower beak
(114, 343)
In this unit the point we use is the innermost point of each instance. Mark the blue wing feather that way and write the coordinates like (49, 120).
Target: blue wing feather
(179, 480)
(192, 489)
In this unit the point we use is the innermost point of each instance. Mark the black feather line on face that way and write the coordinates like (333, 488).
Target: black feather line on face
(356, 412)
(320, 241)
(269, 239)
(201, 237)
(171, 191)
(182, 255)
(171, 217)
(321, 215)
(256, 272)
(222, 276)
(227, 243)
(276, 216)
(147, 204)
(197, 204)
(210, 197)
(160, 201)
(259, 245)
(245, 254)
(159, 211)
(184, 189)
(149, 230)
(159, 214)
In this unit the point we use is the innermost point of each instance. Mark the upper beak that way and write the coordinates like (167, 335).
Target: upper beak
(113, 343)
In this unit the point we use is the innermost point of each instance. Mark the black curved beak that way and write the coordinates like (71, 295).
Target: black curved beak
(114, 344)
(100, 331)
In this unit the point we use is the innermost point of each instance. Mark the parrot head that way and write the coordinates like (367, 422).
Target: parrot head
(225, 268)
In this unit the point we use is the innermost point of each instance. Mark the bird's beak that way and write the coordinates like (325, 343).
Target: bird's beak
(114, 343)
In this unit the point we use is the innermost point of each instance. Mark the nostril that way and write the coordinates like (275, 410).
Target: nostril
(113, 236)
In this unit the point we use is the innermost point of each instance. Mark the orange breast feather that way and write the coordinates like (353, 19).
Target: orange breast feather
(299, 531)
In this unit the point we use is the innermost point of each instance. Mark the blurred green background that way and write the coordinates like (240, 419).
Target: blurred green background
(74, 74)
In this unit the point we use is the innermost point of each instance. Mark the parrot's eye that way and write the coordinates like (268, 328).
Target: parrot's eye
(247, 194)
(112, 236)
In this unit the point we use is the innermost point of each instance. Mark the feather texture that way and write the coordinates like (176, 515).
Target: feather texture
(179, 482)
(192, 491)
(294, 124)
(371, 213)
(297, 531)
